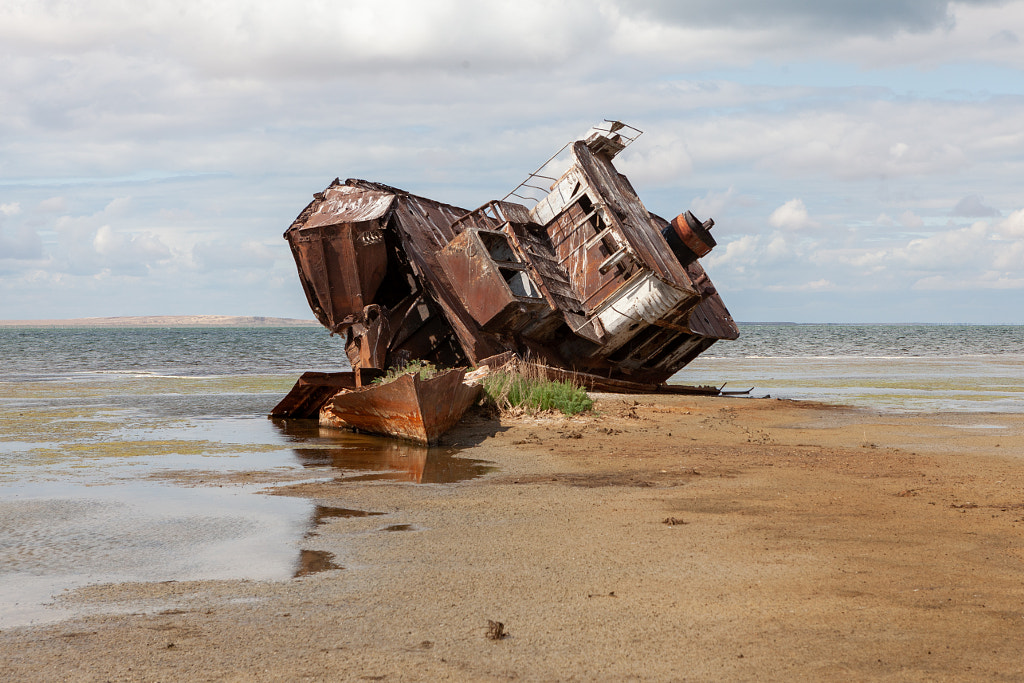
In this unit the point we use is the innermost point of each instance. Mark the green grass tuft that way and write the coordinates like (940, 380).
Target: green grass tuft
(425, 369)
(522, 387)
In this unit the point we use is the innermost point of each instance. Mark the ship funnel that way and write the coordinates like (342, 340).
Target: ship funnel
(688, 238)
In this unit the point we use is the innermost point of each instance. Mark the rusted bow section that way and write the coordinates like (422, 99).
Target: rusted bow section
(585, 280)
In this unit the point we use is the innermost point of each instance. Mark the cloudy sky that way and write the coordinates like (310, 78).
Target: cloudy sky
(863, 160)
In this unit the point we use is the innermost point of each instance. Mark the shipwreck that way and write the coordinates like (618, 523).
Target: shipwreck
(569, 269)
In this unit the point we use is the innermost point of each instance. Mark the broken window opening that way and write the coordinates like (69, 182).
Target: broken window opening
(498, 247)
(520, 283)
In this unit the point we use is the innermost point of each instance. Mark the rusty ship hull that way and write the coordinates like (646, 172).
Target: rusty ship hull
(587, 280)
(409, 407)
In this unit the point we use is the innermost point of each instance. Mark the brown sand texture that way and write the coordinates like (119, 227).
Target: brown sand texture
(658, 539)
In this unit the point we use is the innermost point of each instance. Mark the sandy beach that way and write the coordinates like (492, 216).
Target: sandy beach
(660, 538)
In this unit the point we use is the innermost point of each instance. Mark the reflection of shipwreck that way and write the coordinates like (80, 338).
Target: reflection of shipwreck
(586, 281)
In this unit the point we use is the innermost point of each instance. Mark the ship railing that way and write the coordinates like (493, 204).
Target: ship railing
(608, 137)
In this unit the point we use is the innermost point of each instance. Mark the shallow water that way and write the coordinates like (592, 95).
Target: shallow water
(120, 479)
(62, 353)
(905, 368)
(115, 444)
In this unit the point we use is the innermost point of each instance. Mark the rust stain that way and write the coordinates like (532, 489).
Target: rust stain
(409, 407)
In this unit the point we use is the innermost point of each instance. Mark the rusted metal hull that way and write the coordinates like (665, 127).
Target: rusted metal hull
(592, 382)
(314, 389)
(587, 280)
(419, 410)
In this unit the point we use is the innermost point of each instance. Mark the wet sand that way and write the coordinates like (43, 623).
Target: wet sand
(668, 538)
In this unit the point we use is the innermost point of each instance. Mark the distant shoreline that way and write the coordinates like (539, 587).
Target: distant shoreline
(167, 321)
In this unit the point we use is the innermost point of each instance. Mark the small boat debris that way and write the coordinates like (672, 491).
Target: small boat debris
(408, 407)
(314, 389)
(584, 281)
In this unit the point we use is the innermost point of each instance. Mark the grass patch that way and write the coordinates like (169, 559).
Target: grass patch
(523, 386)
(424, 369)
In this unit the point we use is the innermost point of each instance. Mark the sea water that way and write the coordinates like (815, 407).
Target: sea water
(901, 367)
(905, 368)
(101, 429)
(121, 452)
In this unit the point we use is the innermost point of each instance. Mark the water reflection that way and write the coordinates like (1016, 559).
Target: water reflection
(364, 457)
(313, 561)
(323, 513)
(121, 519)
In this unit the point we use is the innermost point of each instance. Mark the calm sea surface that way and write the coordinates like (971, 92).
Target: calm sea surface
(900, 367)
(888, 367)
(100, 430)
(37, 354)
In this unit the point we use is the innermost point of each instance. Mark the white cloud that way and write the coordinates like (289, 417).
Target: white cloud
(791, 216)
(738, 253)
(943, 283)
(20, 242)
(853, 140)
(881, 18)
(910, 220)
(821, 285)
(126, 249)
(84, 245)
(973, 206)
(312, 39)
(755, 254)
(945, 250)
(53, 205)
(713, 203)
(661, 160)
(249, 255)
(1009, 258)
(219, 120)
(1013, 225)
